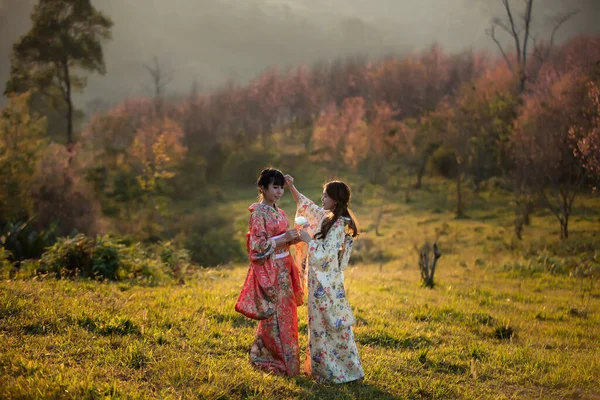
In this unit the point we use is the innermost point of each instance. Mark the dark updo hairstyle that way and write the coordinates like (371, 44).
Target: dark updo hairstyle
(267, 177)
(340, 192)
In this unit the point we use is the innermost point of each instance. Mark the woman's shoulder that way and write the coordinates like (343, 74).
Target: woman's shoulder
(253, 207)
(258, 208)
(347, 225)
(341, 223)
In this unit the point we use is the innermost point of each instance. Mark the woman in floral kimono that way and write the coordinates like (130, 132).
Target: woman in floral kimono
(275, 348)
(332, 355)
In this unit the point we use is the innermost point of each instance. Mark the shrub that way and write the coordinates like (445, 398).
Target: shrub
(211, 239)
(217, 246)
(69, 257)
(106, 257)
(23, 241)
(5, 264)
(27, 269)
(176, 261)
(139, 262)
(443, 162)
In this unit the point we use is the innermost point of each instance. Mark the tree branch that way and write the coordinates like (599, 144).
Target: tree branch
(526, 37)
(502, 24)
(513, 28)
(492, 33)
(559, 20)
(548, 204)
(159, 77)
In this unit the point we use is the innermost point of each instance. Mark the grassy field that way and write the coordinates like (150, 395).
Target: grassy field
(507, 318)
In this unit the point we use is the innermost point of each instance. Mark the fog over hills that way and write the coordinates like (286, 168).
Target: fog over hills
(213, 41)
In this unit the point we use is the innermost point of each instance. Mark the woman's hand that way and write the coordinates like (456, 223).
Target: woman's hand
(291, 235)
(289, 180)
(305, 237)
(295, 241)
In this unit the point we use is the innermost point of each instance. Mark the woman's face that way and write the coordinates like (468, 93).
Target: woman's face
(272, 194)
(328, 202)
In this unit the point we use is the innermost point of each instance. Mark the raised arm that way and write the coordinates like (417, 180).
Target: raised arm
(305, 206)
(289, 181)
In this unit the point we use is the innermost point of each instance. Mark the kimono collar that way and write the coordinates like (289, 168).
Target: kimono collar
(254, 206)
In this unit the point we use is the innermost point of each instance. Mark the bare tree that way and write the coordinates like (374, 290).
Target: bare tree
(428, 257)
(161, 77)
(519, 29)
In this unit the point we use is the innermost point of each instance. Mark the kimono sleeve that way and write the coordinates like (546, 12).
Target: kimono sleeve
(258, 244)
(260, 251)
(313, 213)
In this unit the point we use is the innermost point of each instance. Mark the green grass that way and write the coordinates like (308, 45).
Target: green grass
(507, 319)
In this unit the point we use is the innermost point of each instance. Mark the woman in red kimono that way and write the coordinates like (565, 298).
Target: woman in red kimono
(275, 348)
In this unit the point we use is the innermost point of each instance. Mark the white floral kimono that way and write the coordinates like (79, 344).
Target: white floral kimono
(331, 355)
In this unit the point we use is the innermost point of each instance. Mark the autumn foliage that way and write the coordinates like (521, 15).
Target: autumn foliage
(378, 118)
(386, 118)
(587, 139)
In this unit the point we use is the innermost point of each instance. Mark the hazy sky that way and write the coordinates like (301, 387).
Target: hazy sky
(212, 41)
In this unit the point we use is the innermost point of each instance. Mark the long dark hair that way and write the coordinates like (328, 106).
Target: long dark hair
(267, 177)
(340, 192)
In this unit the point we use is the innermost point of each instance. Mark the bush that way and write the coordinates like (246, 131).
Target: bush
(27, 269)
(106, 257)
(5, 264)
(217, 246)
(22, 241)
(176, 261)
(211, 239)
(139, 262)
(69, 257)
(443, 162)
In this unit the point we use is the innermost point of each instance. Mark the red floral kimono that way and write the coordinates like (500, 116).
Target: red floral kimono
(275, 348)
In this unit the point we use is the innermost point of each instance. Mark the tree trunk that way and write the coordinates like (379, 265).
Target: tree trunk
(150, 222)
(421, 172)
(527, 208)
(69, 105)
(522, 83)
(69, 123)
(459, 194)
(380, 214)
(519, 228)
(564, 227)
